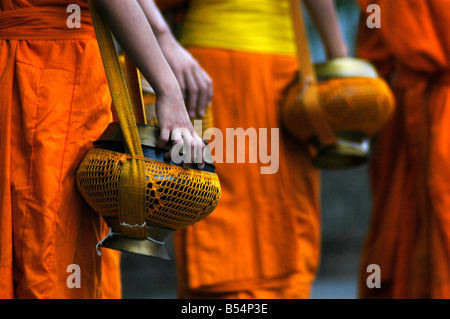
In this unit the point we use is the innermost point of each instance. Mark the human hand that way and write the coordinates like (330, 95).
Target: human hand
(175, 125)
(195, 83)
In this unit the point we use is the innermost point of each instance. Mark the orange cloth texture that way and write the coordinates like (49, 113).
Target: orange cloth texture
(54, 101)
(409, 231)
(262, 241)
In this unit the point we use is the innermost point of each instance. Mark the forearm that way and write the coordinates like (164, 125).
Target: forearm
(154, 17)
(139, 41)
(159, 25)
(194, 81)
(323, 13)
(129, 24)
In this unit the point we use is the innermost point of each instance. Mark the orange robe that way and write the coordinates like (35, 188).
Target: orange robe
(409, 233)
(54, 102)
(263, 239)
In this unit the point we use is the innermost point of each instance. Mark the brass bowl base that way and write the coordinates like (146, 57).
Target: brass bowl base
(351, 150)
(153, 246)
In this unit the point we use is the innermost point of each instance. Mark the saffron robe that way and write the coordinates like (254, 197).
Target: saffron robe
(263, 239)
(409, 231)
(54, 101)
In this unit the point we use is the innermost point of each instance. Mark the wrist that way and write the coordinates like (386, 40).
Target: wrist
(339, 51)
(166, 40)
(168, 89)
(160, 30)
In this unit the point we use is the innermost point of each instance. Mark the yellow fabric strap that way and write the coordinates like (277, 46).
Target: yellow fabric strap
(132, 188)
(133, 78)
(316, 117)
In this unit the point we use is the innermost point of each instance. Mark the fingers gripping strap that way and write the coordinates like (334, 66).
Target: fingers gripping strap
(314, 113)
(132, 207)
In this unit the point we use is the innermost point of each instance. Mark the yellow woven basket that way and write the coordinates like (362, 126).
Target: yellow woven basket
(175, 197)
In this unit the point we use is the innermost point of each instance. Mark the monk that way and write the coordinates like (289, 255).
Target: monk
(263, 239)
(409, 232)
(55, 101)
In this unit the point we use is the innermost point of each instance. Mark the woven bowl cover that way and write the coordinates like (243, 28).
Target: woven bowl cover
(175, 197)
(358, 104)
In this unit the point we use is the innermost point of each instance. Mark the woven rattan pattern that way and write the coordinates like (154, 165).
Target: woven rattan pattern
(356, 104)
(175, 197)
